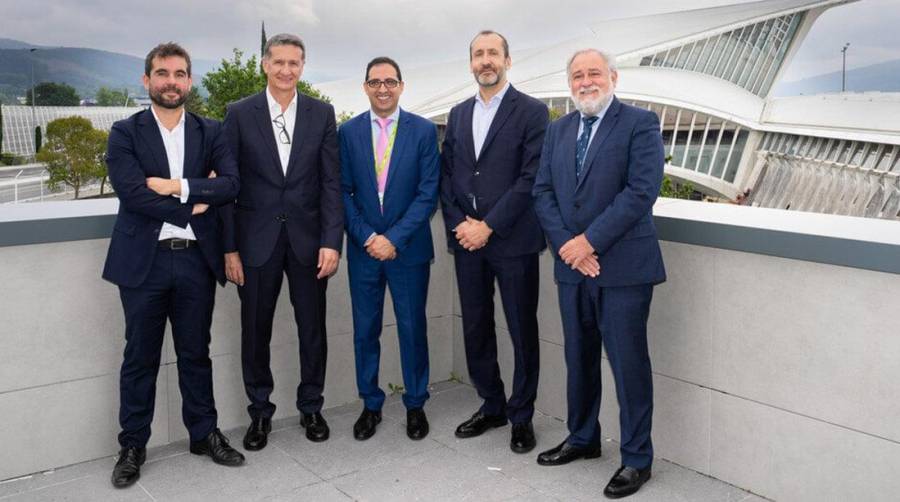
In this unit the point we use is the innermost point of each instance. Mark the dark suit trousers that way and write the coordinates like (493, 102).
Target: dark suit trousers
(618, 317)
(518, 279)
(259, 295)
(409, 292)
(180, 288)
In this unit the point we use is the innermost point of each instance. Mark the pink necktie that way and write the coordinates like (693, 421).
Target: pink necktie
(379, 153)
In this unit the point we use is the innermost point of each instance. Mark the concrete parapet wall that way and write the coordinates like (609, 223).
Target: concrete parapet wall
(772, 371)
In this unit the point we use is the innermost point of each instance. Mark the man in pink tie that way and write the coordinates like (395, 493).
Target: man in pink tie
(389, 178)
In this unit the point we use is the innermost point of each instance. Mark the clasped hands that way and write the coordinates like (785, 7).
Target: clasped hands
(167, 187)
(381, 248)
(579, 254)
(473, 234)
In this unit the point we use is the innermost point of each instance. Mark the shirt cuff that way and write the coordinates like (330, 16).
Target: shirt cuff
(185, 191)
(372, 236)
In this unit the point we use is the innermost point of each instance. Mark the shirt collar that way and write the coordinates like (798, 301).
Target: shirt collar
(394, 116)
(160, 124)
(496, 97)
(275, 107)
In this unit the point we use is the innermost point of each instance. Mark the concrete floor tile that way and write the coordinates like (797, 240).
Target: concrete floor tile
(95, 486)
(438, 474)
(192, 477)
(319, 492)
(342, 454)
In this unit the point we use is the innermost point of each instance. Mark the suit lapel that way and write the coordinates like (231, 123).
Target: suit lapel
(264, 121)
(193, 145)
(149, 131)
(465, 129)
(507, 105)
(403, 134)
(603, 130)
(301, 127)
(567, 153)
(363, 133)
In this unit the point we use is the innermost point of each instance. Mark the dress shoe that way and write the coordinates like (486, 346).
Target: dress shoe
(257, 434)
(316, 427)
(565, 453)
(364, 428)
(128, 467)
(522, 439)
(216, 447)
(479, 423)
(626, 481)
(416, 423)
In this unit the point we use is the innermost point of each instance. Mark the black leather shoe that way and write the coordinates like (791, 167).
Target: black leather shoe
(257, 436)
(128, 468)
(364, 428)
(565, 453)
(479, 423)
(316, 427)
(626, 481)
(522, 439)
(216, 447)
(416, 423)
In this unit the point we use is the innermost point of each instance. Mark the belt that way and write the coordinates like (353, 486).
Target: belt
(176, 244)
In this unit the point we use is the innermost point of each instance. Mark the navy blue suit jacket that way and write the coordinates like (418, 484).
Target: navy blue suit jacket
(411, 190)
(136, 152)
(501, 179)
(307, 199)
(612, 202)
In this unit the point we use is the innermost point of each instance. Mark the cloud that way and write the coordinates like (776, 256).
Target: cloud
(341, 36)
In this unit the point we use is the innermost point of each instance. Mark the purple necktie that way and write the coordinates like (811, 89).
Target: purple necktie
(381, 161)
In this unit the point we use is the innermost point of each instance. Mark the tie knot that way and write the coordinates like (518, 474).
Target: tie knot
(383, 123)
(589, 121)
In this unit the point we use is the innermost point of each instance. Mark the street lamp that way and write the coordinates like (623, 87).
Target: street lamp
(844, 67)
(33, 99)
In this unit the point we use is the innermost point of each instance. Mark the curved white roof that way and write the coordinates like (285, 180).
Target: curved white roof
(433, 89)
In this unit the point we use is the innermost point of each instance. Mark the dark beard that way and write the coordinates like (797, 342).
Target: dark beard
(158, 99)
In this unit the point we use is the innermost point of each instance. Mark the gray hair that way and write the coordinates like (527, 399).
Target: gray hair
(284, 39)
(610, 59)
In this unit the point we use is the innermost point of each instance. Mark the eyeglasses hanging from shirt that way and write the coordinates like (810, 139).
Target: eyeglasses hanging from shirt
(283, 135)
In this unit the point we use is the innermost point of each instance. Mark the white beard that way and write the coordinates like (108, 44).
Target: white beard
(589, 106)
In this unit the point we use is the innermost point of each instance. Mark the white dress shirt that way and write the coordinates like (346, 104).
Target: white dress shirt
(482, 116)
(290, 118)
(173, 141)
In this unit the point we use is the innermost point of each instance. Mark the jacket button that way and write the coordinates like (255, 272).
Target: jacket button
(477, 173)
(577, 206)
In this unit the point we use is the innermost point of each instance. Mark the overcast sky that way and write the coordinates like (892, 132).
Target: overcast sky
(342, 35)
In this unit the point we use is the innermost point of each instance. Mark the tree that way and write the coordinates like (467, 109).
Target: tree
(74, 153)
(675, 191)
(195, 102)
(236, 79)
(53, 94)
(230, 82)
(112, 97)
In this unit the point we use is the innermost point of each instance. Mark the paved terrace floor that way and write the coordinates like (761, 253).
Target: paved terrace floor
(387, 467)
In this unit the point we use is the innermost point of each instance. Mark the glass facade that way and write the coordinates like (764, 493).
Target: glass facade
(699, 142)
(18, 127)
(749, 57)
(825, 175)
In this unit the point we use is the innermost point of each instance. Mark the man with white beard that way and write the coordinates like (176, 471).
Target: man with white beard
(601, 170)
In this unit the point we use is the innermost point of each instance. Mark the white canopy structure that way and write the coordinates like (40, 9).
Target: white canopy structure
(708, 74)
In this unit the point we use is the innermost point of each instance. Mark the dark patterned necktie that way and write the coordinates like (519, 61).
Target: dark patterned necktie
(582, 145)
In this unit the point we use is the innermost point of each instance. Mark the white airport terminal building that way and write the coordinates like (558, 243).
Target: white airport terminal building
(708, 74)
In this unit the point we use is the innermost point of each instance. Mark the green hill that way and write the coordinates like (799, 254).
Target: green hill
(84, 69)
